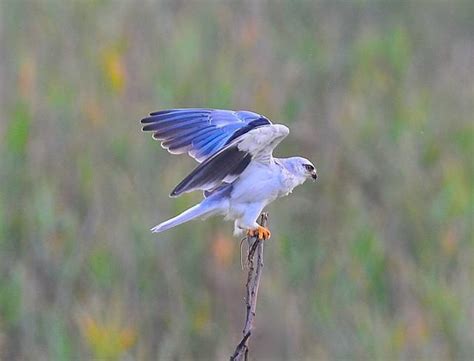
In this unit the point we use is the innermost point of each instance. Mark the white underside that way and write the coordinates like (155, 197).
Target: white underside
(259, 185)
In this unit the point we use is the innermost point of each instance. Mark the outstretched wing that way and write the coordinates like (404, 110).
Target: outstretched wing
(227, 164)
(200, 132)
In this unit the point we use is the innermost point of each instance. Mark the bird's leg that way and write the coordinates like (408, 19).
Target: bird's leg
(261, 232)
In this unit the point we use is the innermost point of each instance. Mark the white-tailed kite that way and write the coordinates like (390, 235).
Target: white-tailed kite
(237, 171)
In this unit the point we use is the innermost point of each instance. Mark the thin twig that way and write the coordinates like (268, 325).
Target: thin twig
(241, 243)
(255, 253)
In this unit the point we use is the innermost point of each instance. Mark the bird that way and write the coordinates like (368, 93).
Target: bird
(237, 172)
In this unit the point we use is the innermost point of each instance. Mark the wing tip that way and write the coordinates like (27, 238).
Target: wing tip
(148, 127)
(175, 193)
(282, 129)
(147, 120)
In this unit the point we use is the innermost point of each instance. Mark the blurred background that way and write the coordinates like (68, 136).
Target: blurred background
(375, 261)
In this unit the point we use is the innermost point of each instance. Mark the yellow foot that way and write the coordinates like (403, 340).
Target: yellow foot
(260, 232)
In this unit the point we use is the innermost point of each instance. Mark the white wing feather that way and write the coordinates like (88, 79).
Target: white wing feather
(261, 141)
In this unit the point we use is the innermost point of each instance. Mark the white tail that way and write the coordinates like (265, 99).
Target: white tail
(199, 210)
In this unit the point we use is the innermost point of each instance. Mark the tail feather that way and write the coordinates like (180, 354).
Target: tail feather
(199, 210)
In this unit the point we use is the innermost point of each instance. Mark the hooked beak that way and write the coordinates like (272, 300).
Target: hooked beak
(314, 175)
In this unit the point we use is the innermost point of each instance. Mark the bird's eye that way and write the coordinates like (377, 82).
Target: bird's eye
(308, 167)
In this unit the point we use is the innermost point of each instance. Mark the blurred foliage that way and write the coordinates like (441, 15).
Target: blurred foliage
(374, 261)
(107, 341)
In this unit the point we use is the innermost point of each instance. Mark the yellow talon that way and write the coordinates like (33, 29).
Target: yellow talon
(261, 232)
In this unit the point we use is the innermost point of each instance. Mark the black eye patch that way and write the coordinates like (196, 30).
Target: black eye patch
(308, 167)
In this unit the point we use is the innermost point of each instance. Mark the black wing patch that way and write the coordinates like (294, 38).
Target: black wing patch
(230, 161)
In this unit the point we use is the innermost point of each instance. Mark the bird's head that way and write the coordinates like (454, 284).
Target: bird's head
(303, 167)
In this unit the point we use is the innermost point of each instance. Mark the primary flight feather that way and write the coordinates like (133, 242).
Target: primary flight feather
(237, 171)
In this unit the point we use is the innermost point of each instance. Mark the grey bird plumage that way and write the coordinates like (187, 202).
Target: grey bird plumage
(237, 171)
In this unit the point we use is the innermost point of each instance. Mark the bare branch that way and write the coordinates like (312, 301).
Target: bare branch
(255, 267)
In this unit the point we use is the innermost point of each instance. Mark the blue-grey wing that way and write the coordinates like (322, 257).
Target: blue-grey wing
(200, 132)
